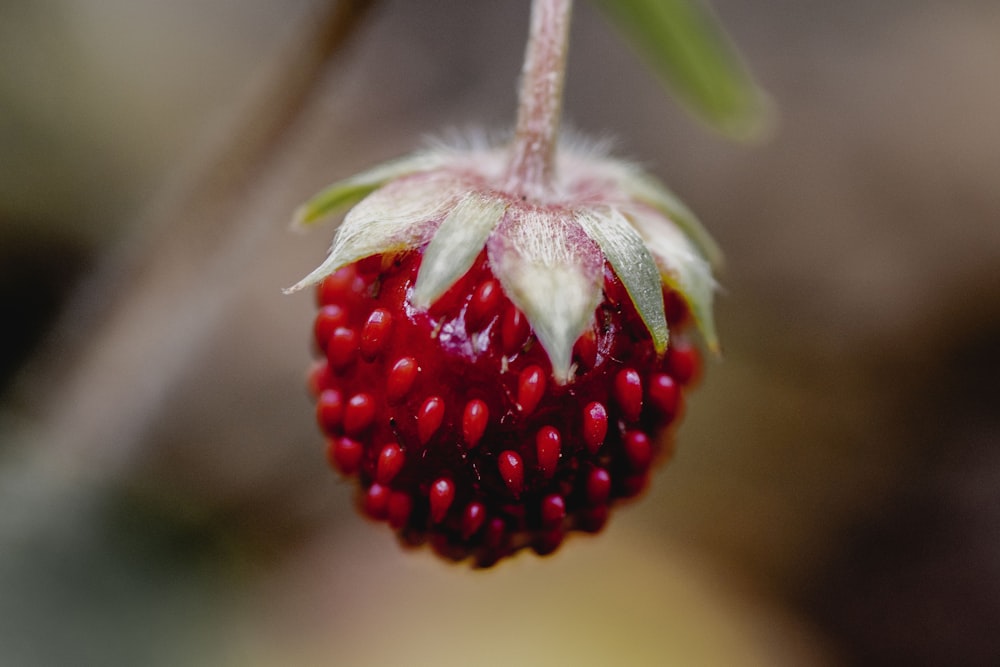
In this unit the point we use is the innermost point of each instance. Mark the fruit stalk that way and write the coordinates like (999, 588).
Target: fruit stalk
(540, 99)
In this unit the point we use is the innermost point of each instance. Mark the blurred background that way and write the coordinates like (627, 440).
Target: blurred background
(164, 498)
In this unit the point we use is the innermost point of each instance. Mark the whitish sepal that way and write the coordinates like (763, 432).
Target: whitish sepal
(398, 216)
(644, 188)
(346, 193)
(552, 271)
(683, 268)
(634, 265)
(455, 245)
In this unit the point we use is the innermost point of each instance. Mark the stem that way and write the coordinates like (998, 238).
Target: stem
(540, 99)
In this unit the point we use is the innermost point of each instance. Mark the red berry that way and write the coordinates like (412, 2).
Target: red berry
(452, 422)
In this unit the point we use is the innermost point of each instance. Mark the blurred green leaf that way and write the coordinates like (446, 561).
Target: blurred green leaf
(685, 43)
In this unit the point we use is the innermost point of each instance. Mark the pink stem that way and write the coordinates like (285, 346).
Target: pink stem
(540, 99)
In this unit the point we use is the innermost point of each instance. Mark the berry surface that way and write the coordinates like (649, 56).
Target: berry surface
(450, 421)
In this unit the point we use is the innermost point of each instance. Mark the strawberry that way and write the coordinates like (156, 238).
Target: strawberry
(496, 368)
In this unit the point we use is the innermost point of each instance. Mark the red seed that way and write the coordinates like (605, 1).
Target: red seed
(514, 330)
(495, 534)
(375, 333)
(553, 510)
(683, 361)
(376, 501)
(338, 286)
(628, 393)
(441, 496)
(342, 347)
(472, 519)
(475, 419)
(638, 449)
(398, 508)
(530, 389)
(344, 454)
(329, 319)
(330, 411)
(593, 519)
(483, 305)
(664, 394)
(598, 486)
(548, 446)
(675, 307)
(511, 471)
(369, 265)
(548, 541)
(390, 462)
(401, 378)
(633, 485)
(595, 426)
(585, 350)
(359, 413)
(319, 377)
(429, 418)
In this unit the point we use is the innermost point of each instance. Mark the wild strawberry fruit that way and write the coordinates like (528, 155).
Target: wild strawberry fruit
(496, 369)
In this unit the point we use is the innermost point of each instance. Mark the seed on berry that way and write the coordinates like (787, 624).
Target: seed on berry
(549, 541)
(472, 519)
(338, 286)
(390, 462)
(483, 304)
(548, 447)
(475, 419)
(376, 501)
(359, 413)
(495, 533)
(345, 454)
(664, 394)
(598, 486)
(530, 389)
(675, 308)
(398, 508)
(342, 347)
(683, 361)
(441, 496)
(429, 418)
(329, 319)
(401, 378)
(375, 333)
(511, 471)
(318, 378)
(593, 519)
(628, 393)
(638, 449)
(514, 330)
(369, 265)
(330, 411)
(553, 510)
(585, 350)
(595, 426)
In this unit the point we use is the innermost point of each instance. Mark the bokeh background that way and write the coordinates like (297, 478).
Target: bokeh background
(163, 494)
